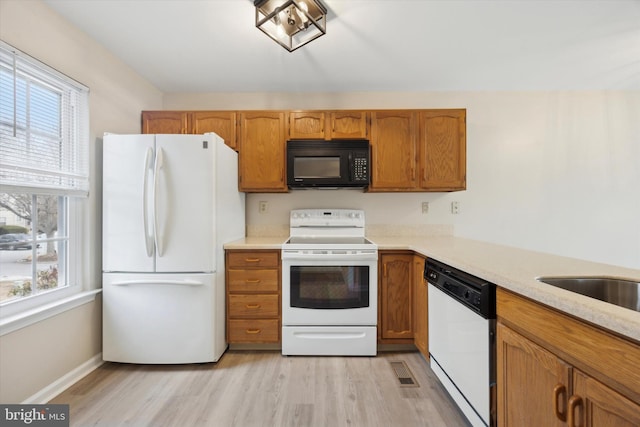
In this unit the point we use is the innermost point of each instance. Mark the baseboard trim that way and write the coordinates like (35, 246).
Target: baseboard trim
(64, 382)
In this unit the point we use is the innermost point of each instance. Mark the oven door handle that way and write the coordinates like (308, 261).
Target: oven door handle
(319, 257)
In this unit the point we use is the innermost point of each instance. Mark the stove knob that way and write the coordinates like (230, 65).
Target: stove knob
(352, 215)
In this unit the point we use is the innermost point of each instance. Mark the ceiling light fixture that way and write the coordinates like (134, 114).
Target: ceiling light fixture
(291, 23)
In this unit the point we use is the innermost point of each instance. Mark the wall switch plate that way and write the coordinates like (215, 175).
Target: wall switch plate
(425, 207)
(455, 207)
(263, 207)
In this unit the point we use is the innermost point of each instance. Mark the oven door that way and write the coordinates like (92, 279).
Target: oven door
(329, 290)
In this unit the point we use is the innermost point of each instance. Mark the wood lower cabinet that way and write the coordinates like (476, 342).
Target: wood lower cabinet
(262, 152)
(395, 296)
(253, 296)
(192, 122)
(595, 404)
(328, 124)
(527, 378)
(555, 370)
(420, 313)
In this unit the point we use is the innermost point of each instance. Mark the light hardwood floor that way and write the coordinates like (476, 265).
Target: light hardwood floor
(260, 388)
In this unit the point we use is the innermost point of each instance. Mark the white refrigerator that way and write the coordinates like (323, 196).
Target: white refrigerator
(169, 204)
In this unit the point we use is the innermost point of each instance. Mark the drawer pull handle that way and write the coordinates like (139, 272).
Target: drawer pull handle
(253, 331)
(252, 305)
(252, 281)
(560, 390)
(252, 260)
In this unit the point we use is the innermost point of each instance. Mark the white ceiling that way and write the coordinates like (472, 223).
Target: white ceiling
(374, 45)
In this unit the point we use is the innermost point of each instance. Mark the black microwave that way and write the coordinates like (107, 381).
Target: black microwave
(315, 163)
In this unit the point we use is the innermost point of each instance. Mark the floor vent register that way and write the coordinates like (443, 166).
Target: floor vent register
(405, 377)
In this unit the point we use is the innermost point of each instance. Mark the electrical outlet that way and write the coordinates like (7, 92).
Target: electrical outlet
(455, 207)
(425, 207)
(263, 207)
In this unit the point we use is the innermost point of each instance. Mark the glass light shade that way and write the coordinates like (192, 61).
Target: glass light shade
(291, 23)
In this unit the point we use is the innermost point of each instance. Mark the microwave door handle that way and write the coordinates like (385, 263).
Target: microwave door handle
(350, 167)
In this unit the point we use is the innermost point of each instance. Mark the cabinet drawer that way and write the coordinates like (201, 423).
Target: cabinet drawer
(253, 281)
(252, 259)
(262, 330)
(254, 306)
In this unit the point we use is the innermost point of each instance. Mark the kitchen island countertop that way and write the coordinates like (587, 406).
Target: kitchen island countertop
(511, 268)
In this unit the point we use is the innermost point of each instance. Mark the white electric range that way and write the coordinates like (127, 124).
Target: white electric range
(329, 285)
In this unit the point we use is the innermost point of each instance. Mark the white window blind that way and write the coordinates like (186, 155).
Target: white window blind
(44, 128)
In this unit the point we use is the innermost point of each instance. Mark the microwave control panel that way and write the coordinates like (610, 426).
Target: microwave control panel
(361, 167)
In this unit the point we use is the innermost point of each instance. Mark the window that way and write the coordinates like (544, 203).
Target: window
(44, 176)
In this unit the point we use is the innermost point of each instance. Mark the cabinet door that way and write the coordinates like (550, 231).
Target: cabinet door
(533, 384)
(396, 296)
(420, 314)
(348, 124)
(165, 122)
(393, 150)
(221, 122)
(443, 150)
(307, 124)
(262, 152)
(594, 404)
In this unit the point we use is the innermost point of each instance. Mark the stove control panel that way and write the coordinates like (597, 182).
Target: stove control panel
(326, 218)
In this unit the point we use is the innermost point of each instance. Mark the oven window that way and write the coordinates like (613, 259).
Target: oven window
(316, 167)
(333, 287)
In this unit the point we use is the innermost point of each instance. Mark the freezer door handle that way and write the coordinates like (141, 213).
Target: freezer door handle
(185, 282)
(159, 167)
(148, 233)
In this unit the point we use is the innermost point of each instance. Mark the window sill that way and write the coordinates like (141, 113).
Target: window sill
(29, 317)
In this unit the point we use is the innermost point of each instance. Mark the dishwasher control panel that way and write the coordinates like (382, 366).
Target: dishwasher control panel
(474, 292)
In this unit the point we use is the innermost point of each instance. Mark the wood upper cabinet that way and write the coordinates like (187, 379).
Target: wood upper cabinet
(395, 297)
(418, 150)
(262, 152)
(328, 124)
(442, 150)
(394, 150)
(420, 313)
(193, 122)
(165, 122)
(221, 122)
(555, 370)
(411, 150)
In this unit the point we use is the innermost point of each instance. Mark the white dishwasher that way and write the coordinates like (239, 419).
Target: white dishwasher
(462, 339)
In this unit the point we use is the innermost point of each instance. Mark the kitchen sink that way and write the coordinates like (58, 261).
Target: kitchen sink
(621, 292)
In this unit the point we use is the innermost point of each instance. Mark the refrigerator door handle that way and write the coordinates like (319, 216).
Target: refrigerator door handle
(185, 282)
(159, 166)
(148, 234)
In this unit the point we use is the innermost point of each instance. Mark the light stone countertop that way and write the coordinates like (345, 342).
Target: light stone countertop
(510, 268)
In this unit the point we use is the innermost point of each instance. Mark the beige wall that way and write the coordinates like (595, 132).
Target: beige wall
(550, 171)
(33, 357)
